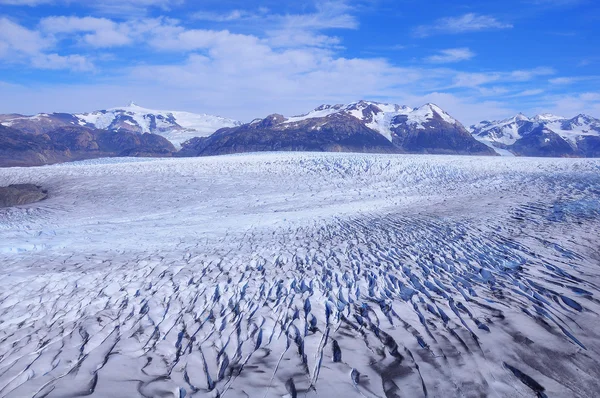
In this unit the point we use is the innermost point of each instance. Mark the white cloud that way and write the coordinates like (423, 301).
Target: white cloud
(329, 15)
(233, 15)
(529, 93)
(25, 2)
(292, 30)
(19, 44)
(451, 55)
(466, 79)
(20, 40)
(558, 3)
(572, 79)
(56, 61)
(466, 23)
(97, 32)
(142, 3)
(526, 75)
(291, 66)
(571, 104)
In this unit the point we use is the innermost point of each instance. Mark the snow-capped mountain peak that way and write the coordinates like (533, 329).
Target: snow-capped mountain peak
(547, 117)
(520, 117)
(428, 112)
(357, 126)
(577, 136)
(381, 117)
(176, 126)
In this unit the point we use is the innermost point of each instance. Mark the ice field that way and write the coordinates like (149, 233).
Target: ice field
(303, 275)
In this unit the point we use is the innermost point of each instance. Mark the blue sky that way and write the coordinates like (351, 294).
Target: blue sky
(241, 59)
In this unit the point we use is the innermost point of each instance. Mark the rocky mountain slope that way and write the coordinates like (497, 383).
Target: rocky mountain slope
(68, 143)
(357, 127)
(542, 135)
(362, 126)
(175, 126)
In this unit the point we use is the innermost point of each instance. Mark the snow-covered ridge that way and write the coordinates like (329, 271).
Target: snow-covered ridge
(176, 126)
(379, 116)
(508, 131)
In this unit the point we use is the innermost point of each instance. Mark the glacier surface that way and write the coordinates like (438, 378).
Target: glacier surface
(294, 274)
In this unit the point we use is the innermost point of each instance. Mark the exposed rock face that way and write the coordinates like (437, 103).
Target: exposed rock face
(437, 136)
(21, 194)
(542, 142)
(542, 135)
(173, 125)
(42, 123)
(76, 143)
(589, 146)
(358, 127)
(339, 134)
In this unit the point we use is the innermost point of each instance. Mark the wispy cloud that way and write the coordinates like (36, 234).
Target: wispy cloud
(466, 23)
(473, 80)
(56, 61)
(558, 3)
(234, 15)
(139, 3)
(97, 32)
(572, 79)
(528, 93)
(18, 40)
(451, 55)
(119, 8)
(19, 44)
(571, 104)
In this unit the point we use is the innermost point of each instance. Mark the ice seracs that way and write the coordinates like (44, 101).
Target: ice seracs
(303, 274)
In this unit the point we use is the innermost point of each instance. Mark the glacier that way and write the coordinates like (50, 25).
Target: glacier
(303, 275)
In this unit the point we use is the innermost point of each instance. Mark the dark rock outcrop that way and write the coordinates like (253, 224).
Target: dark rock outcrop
(339, 134)
(357, 127)
(543, 135)
(69, 143)
(437, 137)
(589, 146)
(21, 194)
(543, 142)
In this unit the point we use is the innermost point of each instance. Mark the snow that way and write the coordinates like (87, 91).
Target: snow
(381, 121)
(548, 117)
(572, 135)
(327, 274)
(423, 114)
(490, 143)
(507, 131)
(312, 114)
(193, 125)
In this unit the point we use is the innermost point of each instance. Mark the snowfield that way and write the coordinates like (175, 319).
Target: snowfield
(308, 275)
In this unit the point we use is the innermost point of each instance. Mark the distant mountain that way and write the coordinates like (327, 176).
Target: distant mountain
(362, 126)
(357, 127)
(542, 135)
(175, 126)
(68, 143)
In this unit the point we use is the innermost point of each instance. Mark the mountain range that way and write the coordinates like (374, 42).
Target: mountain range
(175, 126)
(542, 135)
(362, 126)
(357, 127)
